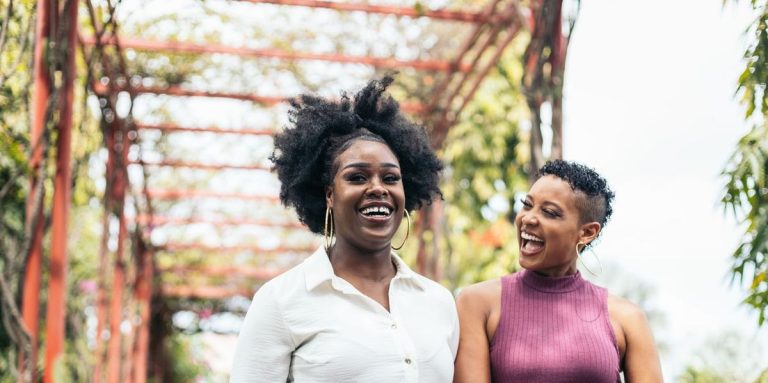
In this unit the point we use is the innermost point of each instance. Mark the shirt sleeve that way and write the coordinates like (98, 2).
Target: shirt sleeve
(264, 345)
(454, 339)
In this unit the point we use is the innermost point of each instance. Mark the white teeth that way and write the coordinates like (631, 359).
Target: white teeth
(530, 237)
(376, 209)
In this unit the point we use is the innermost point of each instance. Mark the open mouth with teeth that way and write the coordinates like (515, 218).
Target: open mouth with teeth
(530, 243)
(376, 211)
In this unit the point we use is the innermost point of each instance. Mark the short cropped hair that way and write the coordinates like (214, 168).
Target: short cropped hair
(596, 204)
(320, 129)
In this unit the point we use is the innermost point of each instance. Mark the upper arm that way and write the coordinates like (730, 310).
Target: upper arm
(473, 362)
(264, 345)
(641, 361)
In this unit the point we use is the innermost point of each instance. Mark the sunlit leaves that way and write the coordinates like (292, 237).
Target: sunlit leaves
(746, 191)
(484, 174)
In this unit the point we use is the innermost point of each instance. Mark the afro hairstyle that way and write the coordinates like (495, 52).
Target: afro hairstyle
(320, 129)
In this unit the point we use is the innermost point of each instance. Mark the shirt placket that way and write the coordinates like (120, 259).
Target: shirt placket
(403, 342)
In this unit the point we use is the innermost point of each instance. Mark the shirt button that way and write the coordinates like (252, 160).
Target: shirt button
(407, 360)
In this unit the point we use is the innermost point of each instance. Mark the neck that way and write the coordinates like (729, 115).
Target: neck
(558, 271)
(348, 260)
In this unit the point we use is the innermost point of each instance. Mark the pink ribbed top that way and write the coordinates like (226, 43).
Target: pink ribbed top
(553, 330)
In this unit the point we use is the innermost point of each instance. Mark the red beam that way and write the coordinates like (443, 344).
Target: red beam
(30, 307)
(441, 126)
(57, 268)
(183, 47)
(102, 89)
(511, 33)
(170, 194)
(171, 247)
(202, 166)
(176, 128)
(205, 292)
(438, 14)
(156, 220)
(258, 273)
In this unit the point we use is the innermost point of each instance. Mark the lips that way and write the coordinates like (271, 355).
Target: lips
(376, 212)
(530, 244)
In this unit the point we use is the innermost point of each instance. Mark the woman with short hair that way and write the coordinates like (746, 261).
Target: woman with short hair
(545, 323)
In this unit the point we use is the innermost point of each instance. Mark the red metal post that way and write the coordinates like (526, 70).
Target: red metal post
(31, 290)
(144, 284)
(57, 284)
(101, 292)
(118, 280)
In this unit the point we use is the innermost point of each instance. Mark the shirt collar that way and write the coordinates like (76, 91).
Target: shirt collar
(318, 269)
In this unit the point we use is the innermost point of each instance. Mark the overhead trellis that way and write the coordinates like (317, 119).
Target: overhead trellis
(187, 116)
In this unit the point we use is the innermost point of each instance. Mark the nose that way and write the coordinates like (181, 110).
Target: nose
(528, 219)
(376, 188)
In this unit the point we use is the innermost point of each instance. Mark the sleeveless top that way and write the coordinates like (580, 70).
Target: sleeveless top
(553, 330)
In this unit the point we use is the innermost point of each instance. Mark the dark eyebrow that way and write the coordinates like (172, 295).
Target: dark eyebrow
(368, 165)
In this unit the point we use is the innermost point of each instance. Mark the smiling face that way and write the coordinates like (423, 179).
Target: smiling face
(366, 196)
(549, 227)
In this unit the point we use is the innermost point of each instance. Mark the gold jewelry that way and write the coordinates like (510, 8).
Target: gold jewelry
(407, 231)
(578, 254)
(328, 234)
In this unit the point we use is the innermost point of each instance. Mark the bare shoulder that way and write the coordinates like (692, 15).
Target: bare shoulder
(483, 291)
(480, 297)
(625, 312)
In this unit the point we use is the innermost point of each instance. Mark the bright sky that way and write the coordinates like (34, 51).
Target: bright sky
(649, 102)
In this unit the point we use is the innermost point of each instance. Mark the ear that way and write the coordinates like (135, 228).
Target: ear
(589, 232)
(329, 196)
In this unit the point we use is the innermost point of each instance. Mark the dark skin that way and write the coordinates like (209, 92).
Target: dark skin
(550, 213)
(368, 176)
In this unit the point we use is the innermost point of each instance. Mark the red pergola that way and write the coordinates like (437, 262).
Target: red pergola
(490, 31)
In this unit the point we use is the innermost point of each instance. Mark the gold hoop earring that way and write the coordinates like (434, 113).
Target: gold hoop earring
(328, 234)
(578, 254)
(407, 231)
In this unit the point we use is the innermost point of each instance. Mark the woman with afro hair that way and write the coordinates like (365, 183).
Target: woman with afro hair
(353, 311)
(545, 323)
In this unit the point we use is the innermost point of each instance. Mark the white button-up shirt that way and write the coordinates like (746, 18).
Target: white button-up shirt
(309, 325)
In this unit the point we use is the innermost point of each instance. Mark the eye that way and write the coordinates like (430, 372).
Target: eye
(550, 213)
(355, 177)
(526, 204)
(392, 178)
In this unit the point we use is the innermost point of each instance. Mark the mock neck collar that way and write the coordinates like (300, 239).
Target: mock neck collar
(554, 285)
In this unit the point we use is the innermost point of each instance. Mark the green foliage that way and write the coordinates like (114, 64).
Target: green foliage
(726, 357)
(704, 375)
(747, 197)
(746, 191)
(16, 24)
(753, 80)
(484, 174)
(186, 365)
